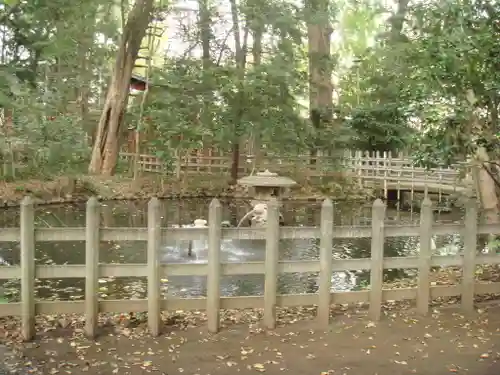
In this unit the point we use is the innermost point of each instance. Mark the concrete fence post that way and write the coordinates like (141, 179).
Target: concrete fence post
(424, 259)
(27, 268)
(214, 271)
(377, 260)
(271, 263)
(469, 256)
(92, 242)
(153, 267)
(325, 263)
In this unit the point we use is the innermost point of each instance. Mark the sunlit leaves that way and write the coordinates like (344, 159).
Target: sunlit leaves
(449, 49)
(455, 52)
(268, 100)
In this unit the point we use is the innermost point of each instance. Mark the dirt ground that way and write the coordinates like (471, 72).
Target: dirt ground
(401, 343)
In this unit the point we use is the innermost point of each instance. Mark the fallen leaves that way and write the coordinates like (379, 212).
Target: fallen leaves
(124, 347)
(246, 351)
(259, 367)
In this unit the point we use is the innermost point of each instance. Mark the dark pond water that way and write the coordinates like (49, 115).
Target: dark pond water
(133, 214)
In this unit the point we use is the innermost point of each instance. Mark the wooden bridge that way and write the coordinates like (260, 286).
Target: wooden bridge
(400, 174)
(374, 169)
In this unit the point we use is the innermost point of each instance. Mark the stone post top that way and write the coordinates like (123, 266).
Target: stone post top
(267, 173)
(267, 179)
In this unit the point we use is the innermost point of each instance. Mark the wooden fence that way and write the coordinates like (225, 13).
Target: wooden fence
(373, 166)
(154, 234)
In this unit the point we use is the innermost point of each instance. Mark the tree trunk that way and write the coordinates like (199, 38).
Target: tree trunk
(240, 46)
(397, 21)
(205, 30)
(235, 164)
(85, 79)
(486, 186)
(485, 179)
(257, 34)
(106, 145)
(320, 69)
(206, 36)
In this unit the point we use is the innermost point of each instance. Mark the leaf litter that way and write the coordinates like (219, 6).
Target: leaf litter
(445, 340)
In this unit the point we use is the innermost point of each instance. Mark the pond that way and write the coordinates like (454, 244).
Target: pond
(133, 214)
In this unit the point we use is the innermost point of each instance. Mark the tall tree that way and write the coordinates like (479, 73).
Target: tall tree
(205, 37)
(240, 43)
(106, 145)
(320, 68)
(257, 28)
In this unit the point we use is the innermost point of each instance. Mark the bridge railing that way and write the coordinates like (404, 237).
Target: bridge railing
(92, 271)
(400, 172)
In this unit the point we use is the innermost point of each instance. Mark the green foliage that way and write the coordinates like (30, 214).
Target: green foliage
(268, 100)
(458, 44)
(47, 50)
(53, 145)
(431, 86)
(380, 128)
(435, 89)
(41, 145)
(375, 104)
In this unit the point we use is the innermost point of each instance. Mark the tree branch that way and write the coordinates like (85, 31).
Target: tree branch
(223, 49)
(10, 11)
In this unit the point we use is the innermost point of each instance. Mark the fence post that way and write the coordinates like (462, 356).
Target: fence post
(358, 157)
(377, 260)
(92, 242)
(469, 258)
(27, 268)
(271, 263)
(387, 162)
(154, 242)
(325, 263)
(213, 274)
(424, 260)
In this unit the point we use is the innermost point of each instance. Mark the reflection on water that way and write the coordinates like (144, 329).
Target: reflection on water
(182, 212)
(233, 251)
